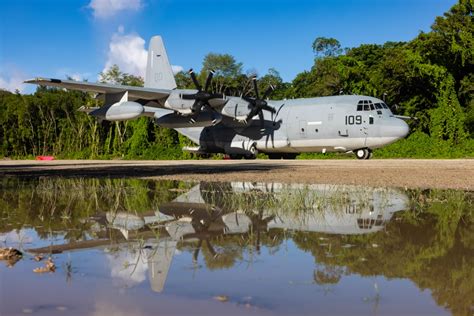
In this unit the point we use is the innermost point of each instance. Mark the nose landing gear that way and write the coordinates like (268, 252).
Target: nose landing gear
(363, 153)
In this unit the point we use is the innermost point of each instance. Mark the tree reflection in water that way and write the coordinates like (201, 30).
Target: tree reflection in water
(426, 236)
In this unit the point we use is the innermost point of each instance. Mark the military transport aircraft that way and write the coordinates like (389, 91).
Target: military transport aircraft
(244, 126)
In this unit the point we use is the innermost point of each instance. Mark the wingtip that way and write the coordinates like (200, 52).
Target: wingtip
(31, 80)
(38, 80)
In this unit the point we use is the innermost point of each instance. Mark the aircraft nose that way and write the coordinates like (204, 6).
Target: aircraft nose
(394, 128)
(401, 128)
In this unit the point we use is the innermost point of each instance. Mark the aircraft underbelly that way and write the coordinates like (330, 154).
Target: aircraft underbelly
(327, 144)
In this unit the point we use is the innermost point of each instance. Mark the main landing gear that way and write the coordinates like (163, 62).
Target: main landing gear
(363, 153)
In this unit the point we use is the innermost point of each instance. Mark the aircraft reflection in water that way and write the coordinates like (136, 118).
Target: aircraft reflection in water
(215, 209)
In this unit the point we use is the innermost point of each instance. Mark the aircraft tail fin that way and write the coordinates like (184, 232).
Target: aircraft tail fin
(159, 74)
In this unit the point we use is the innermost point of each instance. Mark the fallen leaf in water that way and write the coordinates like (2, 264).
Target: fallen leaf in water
(9, 253)
(38, 258)
(49, 267)
(221, 298)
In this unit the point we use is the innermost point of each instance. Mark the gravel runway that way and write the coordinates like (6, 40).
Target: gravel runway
(409, 173)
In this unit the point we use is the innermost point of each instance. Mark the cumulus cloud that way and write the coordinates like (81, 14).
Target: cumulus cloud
(128, 268)
(103, 9)
(74, 75)
(176, 69)
(12, 80)
(129, 53)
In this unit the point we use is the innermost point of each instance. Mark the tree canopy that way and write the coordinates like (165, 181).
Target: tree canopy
(430, 77)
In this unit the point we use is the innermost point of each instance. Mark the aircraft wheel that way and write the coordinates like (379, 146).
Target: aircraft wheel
(253, 153)
(370, 154)
(362, 153)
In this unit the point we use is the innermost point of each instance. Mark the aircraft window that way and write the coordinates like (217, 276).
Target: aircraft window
(384, 106)
(366, 107)
(372, 106)
(359, 107)
(378, 106)
(371, 120)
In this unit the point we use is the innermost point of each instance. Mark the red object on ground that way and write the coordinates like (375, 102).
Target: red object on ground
(44, 157)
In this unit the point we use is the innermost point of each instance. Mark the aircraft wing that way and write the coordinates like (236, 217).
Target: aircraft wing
(103, 88)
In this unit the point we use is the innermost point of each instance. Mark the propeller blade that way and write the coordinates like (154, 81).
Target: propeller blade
(217, 96)
(267, 93)
(193, 77)
(262, 121)
(188, 96)
(255, 86)
(208, 80)
(247, 99)
(196, 108)
(268, 108)
(251, 114)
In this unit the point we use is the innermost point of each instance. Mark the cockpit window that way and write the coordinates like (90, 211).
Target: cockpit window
(384, 106)
(378, 106)
(367, 105)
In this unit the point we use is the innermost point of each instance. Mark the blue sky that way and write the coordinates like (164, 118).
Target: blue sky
(79, 38)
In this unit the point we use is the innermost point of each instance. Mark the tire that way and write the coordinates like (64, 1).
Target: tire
(362, 153)
(253, 152)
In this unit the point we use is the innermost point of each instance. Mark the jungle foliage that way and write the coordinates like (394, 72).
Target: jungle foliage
(430, 78)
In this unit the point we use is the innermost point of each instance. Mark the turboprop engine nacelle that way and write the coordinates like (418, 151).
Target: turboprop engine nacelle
(236, 107)
(175, 102)
(204, 119)
(122, 111)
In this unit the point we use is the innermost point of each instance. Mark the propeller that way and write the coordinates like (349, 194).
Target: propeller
(257, 104)
(202, 96)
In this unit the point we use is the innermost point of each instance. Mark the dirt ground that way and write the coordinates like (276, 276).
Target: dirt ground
(409, 173)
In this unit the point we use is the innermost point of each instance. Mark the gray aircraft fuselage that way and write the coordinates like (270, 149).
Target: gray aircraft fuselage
(325, 124)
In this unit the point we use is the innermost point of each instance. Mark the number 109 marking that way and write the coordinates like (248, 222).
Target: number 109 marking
(351, 119)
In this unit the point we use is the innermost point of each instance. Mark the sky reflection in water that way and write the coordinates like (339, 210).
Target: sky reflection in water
(164, 247)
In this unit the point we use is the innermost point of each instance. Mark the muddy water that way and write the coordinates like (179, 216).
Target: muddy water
(138, 247)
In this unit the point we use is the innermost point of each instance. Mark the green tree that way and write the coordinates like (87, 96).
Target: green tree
(326, 47)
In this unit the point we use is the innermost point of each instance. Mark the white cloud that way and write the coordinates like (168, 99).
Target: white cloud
(77, 77)
(108, 8)
(176, 69)
(74, 75)
(12, 81)
(128, 268)
(128, 52)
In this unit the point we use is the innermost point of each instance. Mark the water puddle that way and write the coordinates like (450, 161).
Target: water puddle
(145, 247)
